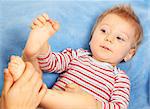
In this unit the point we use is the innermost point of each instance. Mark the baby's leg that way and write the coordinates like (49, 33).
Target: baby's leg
(16, 67)
(42, 29)
(34, 62)
(67, 100)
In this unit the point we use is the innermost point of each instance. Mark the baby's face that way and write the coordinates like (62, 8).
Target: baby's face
(113, 39)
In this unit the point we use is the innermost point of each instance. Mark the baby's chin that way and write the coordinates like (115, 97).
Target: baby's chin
(105, 58)
(102, 57)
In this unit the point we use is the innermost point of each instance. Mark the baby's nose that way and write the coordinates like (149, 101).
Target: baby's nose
(109, 38)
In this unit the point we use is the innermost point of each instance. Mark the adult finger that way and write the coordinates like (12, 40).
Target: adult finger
(38, 85)
(42, 92)
(34, 79)
(27, 74)
(8, 81)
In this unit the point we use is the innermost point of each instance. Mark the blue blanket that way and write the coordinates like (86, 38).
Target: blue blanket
(76, 20)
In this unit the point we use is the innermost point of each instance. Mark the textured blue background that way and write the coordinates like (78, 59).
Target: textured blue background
(76, 19)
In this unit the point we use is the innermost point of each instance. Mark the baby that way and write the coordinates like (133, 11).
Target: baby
(114, 38)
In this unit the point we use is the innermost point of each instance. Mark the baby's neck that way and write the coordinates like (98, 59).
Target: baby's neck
(101, 60)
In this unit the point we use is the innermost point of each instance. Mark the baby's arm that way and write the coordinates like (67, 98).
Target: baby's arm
(120, 94)
(71, 100)
(56, 62)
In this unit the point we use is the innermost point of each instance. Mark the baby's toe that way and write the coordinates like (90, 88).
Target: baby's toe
(13, 59)
(16, 76)
(14, 70)
(16, 60)
(19, 60)
(12, 67)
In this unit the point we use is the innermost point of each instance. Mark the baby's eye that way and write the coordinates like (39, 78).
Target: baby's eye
(120, 38)
(103, 30)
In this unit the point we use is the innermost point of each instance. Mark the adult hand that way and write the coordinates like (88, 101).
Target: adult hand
(25, 93)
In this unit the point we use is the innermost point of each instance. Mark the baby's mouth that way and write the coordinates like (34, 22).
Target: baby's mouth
(104, 47)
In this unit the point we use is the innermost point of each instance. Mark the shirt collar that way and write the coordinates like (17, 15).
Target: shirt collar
(104, 64)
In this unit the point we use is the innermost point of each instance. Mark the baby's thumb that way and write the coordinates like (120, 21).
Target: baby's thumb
(8, 80)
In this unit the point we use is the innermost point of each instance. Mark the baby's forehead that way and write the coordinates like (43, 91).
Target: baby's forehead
(115, 21)
(115, 18)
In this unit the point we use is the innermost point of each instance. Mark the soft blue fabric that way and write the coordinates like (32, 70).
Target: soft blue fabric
(76, 20)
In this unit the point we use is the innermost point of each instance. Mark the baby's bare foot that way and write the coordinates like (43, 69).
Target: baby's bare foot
(42, 29)
(16, 67)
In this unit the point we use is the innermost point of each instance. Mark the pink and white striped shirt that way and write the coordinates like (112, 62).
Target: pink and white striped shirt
(106, 83)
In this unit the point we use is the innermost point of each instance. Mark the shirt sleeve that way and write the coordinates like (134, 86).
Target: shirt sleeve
(120, 93)
(58, 62)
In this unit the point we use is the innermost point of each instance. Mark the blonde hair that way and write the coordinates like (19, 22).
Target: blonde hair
(126, 12)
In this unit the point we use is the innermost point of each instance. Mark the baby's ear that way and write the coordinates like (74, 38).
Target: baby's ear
(130, 54)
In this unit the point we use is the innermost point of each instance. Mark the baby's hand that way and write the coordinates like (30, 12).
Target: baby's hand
(44, 24)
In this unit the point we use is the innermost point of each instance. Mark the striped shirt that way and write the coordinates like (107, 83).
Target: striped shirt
(106, 83)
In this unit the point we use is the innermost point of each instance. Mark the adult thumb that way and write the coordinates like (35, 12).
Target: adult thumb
(8, 81)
